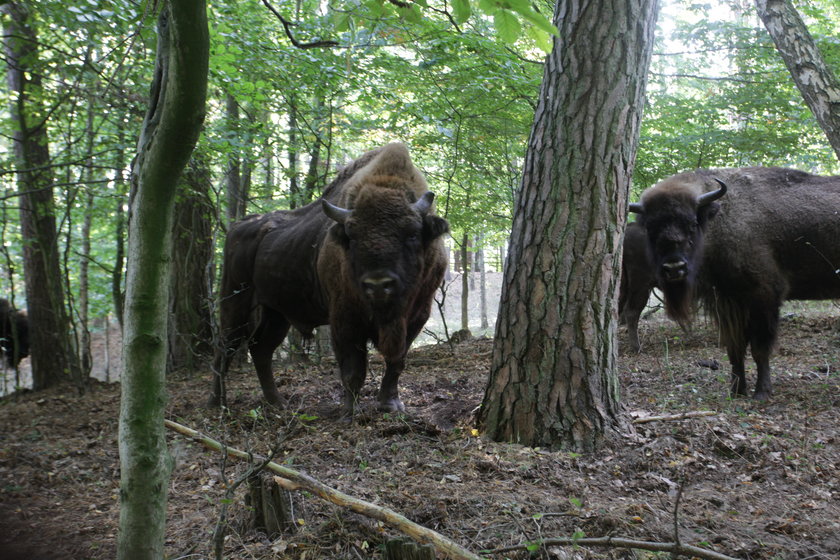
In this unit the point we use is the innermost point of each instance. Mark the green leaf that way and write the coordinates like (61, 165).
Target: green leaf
(541, 38)
(508, 26)
(461, 10)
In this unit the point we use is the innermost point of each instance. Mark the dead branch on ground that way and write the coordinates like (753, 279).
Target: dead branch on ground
(669, 417)
(292, 479)
(618, 542)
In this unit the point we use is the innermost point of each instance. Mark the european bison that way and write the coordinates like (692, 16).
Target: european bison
(366, 259)
(638, 279)
(744, 241)
(14, 334)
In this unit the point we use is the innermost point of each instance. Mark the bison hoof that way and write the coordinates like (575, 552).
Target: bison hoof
(392, 405)
(761, 396)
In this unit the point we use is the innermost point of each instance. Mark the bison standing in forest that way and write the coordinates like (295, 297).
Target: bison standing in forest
(14, 333)
(366, 259)
(743, 241)
(638, 280)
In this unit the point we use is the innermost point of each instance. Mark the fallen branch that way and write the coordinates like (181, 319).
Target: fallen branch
(669, 417)
(291, 479)
(618, 542)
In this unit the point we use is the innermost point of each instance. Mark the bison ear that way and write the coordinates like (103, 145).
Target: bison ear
(706, 213)
(434, 227)
(338, 234)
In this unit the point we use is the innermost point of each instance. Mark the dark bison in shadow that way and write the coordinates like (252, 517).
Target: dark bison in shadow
(14, 333)
(638, 279)
(743, 241)
(366, 259)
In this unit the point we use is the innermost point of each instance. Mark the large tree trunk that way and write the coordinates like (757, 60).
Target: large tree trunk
(553, 380)
(52, 355)
(167, 139)
(813, 77)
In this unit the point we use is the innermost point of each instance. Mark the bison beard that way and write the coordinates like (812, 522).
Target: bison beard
(774, 238)
(365, 259)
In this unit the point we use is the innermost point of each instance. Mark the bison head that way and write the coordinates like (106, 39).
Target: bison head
(385, 236)
(675, 214)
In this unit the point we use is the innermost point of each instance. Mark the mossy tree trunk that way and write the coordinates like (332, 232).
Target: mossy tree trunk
(553, 380)
(169, 134)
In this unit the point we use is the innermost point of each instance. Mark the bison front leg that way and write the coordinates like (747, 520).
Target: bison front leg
(352, 358)
(737, 354)
(269, 335)
(389, 398)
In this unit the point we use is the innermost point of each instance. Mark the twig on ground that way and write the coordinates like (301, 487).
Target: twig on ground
(618, 542)
(291, 479)
(681, 416)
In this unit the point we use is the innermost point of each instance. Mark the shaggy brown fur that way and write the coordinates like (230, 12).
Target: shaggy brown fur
(365, 259)
(772, 237)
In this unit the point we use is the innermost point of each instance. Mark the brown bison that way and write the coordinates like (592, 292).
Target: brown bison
(744, 241)
(638, 280)
(366, 259)
(14, 333)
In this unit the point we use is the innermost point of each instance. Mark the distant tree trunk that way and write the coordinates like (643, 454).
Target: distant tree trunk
(553, 380)
(295, 198)
(84, 262)
(190, 330)
(52, 355)
(481, 267)
(235, 195)
(813, 77)
(120, 183)
(168, 136)
(465, 283)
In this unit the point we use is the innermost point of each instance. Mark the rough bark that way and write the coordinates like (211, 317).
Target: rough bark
(168, 136)
(814, 78)
(52, 357)
(553, 379)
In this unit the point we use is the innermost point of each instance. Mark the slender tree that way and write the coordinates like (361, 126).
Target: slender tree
(168, 136)
(52, 355)
(553, 377)
(814, 78)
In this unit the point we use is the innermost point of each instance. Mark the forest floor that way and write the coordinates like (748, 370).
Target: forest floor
(754, 480)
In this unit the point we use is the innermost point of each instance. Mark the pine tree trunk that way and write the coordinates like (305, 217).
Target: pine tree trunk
(814, 78)
(553, 380)
(169, 134)
(52, 356)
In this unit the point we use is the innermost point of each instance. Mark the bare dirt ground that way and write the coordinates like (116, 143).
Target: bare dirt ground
(758, 480)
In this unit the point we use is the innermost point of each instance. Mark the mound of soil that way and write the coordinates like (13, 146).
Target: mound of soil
(751, 480)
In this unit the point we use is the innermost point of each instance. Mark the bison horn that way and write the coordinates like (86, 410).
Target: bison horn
(710, 197)
(636, 207)
(425, 203)
(337, 213)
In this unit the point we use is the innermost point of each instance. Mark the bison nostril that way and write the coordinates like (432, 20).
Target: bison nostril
(379, 286)
(675, 270)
